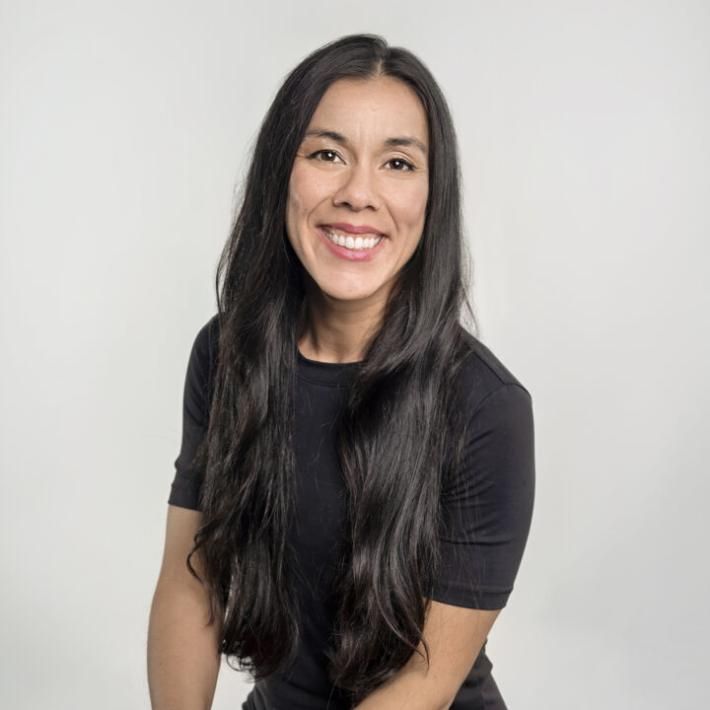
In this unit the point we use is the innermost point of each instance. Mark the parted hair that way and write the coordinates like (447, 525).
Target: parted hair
(398, 433)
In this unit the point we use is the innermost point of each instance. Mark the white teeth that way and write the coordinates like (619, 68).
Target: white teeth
(355, 243)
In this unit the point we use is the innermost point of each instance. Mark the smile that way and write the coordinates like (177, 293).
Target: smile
(349, 242)
(352, 248)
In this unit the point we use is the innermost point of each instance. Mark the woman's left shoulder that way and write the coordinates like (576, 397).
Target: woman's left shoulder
(484, 373)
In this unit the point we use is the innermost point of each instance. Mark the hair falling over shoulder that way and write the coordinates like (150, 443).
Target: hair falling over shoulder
(389, 555)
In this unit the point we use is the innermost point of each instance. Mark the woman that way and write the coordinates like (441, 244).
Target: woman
(356, 468)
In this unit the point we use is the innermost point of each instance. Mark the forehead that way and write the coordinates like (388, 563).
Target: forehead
(379, 107)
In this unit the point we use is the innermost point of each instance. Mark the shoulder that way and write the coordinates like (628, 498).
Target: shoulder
(207, 336)
(495, 454)
(484, 376)
(205, 345)
(203, 361)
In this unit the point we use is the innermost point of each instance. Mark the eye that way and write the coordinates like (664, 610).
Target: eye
(312, 156)
(407, 166)
(410, 167)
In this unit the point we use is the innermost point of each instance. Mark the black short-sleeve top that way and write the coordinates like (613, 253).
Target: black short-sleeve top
(487, 503)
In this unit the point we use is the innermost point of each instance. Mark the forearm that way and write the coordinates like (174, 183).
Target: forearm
(407, 690)
(395, 701)
(183, 663)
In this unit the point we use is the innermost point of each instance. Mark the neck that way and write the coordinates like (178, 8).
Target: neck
(336, 331)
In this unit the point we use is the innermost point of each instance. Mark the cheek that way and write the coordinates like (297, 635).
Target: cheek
(305, 189)
(409, 206)
(295, 199)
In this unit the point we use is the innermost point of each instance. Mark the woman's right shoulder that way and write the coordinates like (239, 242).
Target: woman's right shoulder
(208, 333)
(205, 343)
(203, 358)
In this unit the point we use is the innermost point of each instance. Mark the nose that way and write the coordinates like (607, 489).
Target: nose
(358, 189)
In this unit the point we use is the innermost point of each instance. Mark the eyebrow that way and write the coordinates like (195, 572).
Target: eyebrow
(389, 142)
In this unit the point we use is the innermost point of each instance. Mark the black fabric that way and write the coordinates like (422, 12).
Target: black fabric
(487, 506)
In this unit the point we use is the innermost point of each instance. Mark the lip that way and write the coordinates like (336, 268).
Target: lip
(350, 254)
(354, 228)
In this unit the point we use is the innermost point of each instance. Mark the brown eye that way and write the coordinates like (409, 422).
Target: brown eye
(312, 156)
(409, 168)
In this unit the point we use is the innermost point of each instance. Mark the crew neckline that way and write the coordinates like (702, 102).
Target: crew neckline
(327, 373)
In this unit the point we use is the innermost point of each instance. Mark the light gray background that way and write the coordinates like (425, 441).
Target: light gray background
(124, 131)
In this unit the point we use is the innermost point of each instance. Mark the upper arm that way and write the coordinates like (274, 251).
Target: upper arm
(184, 516)
(487, 504)
(189, 475)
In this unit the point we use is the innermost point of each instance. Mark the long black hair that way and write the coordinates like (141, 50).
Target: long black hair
(397, 436)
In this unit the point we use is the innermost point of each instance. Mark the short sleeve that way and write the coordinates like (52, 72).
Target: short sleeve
(187, 481)
(487, 503)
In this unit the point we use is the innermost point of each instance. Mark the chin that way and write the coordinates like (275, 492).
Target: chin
(338, 293)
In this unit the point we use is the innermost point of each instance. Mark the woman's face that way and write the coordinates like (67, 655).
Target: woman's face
(363, 167)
